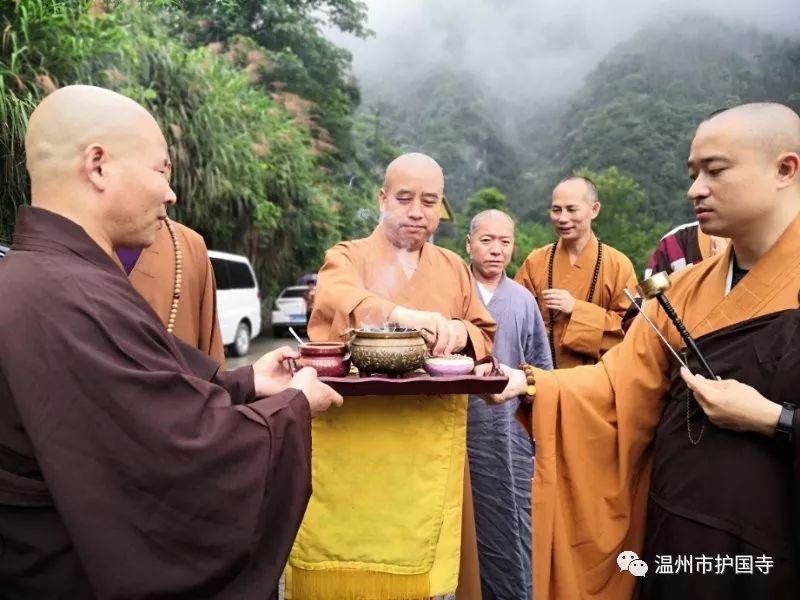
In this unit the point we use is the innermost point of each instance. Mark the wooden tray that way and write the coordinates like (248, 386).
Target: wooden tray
(416, 384)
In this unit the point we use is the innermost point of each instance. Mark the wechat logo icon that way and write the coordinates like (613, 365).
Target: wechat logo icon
(630, 562)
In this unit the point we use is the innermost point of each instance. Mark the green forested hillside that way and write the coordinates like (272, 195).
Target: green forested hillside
(256, 104)
(629, 125)
(447, 116)
(636, 112)
(273, 159)
(639, 108)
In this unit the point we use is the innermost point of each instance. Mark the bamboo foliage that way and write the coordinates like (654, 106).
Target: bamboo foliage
(244, 171)
(44, 43)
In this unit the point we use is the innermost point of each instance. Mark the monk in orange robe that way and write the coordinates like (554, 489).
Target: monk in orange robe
(638, 456)
(152, 272)
(395, 275)
(578, 281)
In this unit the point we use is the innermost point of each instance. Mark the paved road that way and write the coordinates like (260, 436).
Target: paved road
(260, 346)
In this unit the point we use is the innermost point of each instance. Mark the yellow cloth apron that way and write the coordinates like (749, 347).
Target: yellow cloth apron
(384, 519)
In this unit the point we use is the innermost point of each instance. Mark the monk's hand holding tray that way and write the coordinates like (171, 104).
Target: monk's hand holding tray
(517, 383)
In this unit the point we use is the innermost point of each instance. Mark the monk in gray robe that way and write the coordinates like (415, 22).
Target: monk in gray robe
(500, 451)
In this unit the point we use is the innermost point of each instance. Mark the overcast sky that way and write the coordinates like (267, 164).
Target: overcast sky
(505, 43)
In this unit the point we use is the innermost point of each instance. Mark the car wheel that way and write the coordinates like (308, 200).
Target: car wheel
(241, 341)
(278, 332)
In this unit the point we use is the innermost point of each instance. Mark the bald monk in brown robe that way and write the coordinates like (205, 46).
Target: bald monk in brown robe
(130, 467)
(397, 276)
(152, 271)
(578, 281)
(637, 455)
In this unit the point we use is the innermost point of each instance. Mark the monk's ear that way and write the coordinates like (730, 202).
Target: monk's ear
(788, 169)
(595, 210)
(95, 166)
(382, 198)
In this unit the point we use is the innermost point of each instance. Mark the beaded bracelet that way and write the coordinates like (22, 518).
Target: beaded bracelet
(530, 380)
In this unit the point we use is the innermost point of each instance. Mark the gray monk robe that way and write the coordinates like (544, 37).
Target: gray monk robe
(501, 453)
(129, 467)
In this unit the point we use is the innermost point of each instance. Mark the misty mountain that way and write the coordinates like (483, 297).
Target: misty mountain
(637, 110)
(524, 53)
(448, 116)
(640, 107)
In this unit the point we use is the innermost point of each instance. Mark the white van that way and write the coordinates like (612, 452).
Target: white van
(238, 301)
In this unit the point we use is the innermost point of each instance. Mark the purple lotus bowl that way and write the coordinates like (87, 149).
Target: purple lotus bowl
(449, 366)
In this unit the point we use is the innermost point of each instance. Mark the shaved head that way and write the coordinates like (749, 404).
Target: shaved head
(577, 186)
(745, 163)
(486, 216)
(99, 159)
(411, 200)
(74, 117)
(768, 127)
(490, 245)
(413, 161)
(573, 208)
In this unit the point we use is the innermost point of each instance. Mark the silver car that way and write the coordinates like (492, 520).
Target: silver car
(289, 309)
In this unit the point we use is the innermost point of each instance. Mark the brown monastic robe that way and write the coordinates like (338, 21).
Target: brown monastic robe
(361, 283)
(594, 428)
(153, 276)
(593, 327)
(130, 467)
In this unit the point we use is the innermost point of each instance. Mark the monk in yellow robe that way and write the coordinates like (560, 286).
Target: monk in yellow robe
(578, 281)
(637, 457)
(395, 275)
(152, 272)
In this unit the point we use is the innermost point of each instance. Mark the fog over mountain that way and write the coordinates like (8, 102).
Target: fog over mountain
(524, 52)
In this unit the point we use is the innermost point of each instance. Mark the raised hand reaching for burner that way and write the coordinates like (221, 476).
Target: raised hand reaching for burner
(444, 336)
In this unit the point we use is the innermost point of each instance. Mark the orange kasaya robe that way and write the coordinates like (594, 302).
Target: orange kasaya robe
(594, 426)
(153, 276)
(593, 327)
(361, 283)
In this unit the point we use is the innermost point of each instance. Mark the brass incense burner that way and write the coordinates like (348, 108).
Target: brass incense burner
(387, 350)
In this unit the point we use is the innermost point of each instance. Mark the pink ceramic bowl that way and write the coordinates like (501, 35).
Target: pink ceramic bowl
(330, 359)
(449, 366)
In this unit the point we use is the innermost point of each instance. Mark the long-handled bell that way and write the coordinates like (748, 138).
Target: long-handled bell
(654, 287)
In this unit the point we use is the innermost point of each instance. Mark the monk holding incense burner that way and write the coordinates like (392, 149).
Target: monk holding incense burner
(404, 454)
